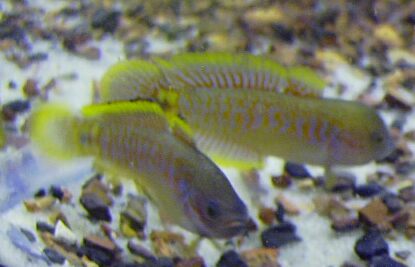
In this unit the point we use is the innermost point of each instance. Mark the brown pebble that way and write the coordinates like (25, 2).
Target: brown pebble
(39, 204)
(100, 242)
(289, 206)
(97, 187)
(31, 88)
(192, 262)
(261, 257)
(267, 215)
(167, 244)
(376, 214)
(345, 223)
(281, 181)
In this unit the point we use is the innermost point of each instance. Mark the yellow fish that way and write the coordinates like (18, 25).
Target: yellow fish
(136, 140)
(133, 79)
(248, 125)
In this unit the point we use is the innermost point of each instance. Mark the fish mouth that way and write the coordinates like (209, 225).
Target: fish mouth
(238, 227)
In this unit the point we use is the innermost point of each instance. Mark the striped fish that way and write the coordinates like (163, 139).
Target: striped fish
(136, 140)
(247, 125)
(133, 79)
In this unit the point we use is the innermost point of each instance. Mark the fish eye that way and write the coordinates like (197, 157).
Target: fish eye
(213, 210)
(376, 137)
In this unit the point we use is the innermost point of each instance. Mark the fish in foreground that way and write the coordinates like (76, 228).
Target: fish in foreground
(136, 140)
(133, 79)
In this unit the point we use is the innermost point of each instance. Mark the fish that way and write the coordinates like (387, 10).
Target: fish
(138, 141)
(132, 79)
(247, 125)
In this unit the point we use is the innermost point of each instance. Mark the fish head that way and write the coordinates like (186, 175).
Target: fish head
(213, 207)
(364, 139)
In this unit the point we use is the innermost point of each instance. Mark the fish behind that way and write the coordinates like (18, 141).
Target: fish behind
(249, 125)
(136, 140)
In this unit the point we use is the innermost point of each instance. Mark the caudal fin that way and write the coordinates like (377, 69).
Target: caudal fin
(53, 130)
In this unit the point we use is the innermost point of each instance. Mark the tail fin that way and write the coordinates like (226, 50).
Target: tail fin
(53, 130)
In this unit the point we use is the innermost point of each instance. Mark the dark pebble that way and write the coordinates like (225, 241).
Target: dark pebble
(280, 212)
(100, 256)
(370, 245)
(404, 168)
(45, 227)
(231, 259)
(279, 235)
(40, 193)
(36, 57)
(160, 262)
(107, 20)
(12, 84)
(29, 235)
(283, 32)
(11, 109)
(296, 170)
(384, 261)
(392, 202)
(407, 194)
(398, 123)
(368, 190)
(56, 192)
(96, 207)
(410, 19)
(73, 38)
(393, 157)
(54, 256)
(344, 182)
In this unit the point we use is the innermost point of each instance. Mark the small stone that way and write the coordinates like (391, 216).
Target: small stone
(385, 261)
(279, 235)
(192, 262)
(376, 213)
(399, 99)
(407, 194)
(45, 227)
(388, 35)
(133, 218)
(96, 207)
(107, 20)
(56, 192)
(231, 259)
(267, 215)
(281, 181)
(135, 248)
(368, 190)
(54, 256)
(63, 233)
(167, 244)
(289, 206)
(11, 109)
(31, 88)
(392, 202)
(40, 193)
(350, 264)
(343, 182)
(370, 245)
(101, 243)
(280, 213)
(283, 32)
(29, 235)
(39, 204)
(296, 170)
(403, 254)
(260, 257)
(345, 223)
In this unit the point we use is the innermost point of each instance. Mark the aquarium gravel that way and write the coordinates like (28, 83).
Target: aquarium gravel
(56, 213)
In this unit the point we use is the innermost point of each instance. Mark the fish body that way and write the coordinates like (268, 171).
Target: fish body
(133, 79)
(136, 140)
(251, 125)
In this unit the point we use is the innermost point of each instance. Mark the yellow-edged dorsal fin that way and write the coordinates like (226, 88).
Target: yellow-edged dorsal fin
(130, 79)
(303, 81)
